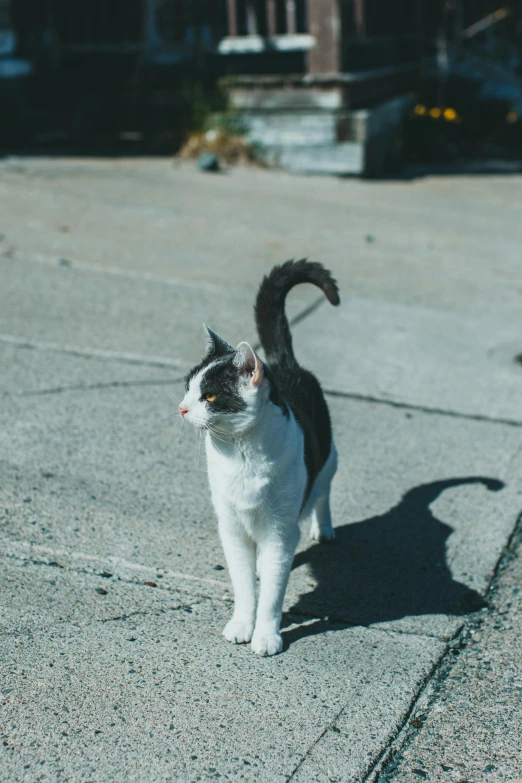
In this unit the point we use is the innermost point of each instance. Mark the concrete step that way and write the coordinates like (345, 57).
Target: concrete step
(329, 140)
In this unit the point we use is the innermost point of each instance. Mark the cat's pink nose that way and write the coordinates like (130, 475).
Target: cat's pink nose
(182, 409)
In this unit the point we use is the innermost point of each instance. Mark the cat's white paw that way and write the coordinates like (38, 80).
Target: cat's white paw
(238, 632)
(267, 643)
(321, 534)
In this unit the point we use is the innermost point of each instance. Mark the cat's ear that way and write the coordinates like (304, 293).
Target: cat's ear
(249, 363)
(215, 344)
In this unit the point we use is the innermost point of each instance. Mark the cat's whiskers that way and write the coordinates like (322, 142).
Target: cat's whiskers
(215, 435)
(179, 422)
(221, 432)
(170, 430)
(200, 438)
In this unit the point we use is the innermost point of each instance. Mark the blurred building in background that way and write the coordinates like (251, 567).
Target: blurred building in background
(323, 85)
(14, 70)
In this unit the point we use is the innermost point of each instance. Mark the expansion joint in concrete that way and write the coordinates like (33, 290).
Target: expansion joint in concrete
(96, 386)
(153, 612)
(98, 572)
(421, 408)
(93, 353)
(440, 672)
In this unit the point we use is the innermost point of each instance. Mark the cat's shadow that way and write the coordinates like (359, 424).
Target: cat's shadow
(384, 568)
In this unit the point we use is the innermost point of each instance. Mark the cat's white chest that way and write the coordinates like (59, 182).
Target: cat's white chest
(243, 481)
(262, 481)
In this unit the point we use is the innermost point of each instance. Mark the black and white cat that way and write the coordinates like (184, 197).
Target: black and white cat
(270, 454)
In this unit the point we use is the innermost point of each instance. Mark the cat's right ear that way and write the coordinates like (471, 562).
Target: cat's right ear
(215, 344)
(249, 363)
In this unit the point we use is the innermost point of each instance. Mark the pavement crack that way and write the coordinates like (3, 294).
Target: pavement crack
(435, 677)
(153, 612)
(112, 271)
(93, 353)
(123, 616)
(308, 753)
(421, 408)
(307, 311)
(384, 755)
(317, 740)
(506, 555)
(441, 670)
(300, 316)
(145, 580)
(94, 386)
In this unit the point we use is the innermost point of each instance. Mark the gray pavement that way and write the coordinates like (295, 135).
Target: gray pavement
(394, 636)
(468, 724)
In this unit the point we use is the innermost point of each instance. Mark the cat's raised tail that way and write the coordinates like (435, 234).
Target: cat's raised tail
(271, 321)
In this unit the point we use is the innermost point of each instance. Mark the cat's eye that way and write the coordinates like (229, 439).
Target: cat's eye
(209, 397)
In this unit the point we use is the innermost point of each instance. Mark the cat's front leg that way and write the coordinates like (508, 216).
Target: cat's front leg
(240, 554)
(276, 554)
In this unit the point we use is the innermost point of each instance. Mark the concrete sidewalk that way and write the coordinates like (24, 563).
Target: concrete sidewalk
(402, 639)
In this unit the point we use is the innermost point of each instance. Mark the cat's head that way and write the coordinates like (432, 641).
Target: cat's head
(227, 390)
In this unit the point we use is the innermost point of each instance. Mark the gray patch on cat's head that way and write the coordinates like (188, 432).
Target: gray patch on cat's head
(228, 388)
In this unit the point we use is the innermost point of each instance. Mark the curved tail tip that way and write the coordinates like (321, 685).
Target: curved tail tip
(333, 296)
(331, 292)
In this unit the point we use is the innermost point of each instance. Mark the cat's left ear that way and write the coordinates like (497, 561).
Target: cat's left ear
(249, 363)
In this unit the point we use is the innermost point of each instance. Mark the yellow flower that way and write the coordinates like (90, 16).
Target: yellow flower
(435, 112)
(450, 114)
(419, 109)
